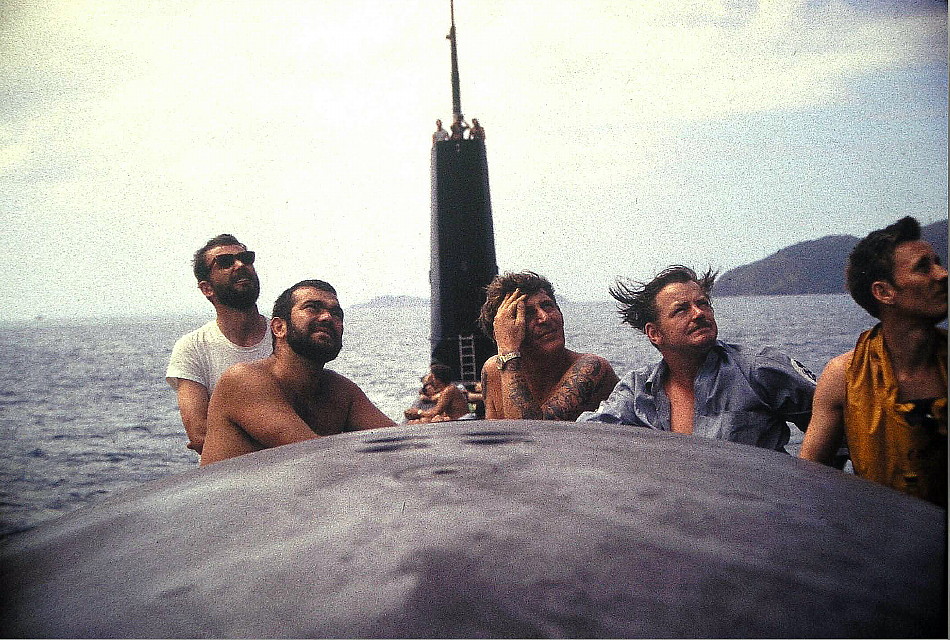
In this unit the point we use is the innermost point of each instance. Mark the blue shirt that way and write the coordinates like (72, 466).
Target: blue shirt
(739, 397)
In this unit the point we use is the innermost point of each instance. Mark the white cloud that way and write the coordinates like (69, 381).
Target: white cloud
(303, 127)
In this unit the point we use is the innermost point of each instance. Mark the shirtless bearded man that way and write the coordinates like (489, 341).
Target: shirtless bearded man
(534, 376)
(290, 396)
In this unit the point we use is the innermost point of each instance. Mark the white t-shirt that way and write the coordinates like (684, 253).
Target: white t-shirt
(205, 354)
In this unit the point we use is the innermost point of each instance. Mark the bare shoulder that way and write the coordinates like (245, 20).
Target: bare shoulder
(832, 384)
(242, 386)
(490, 368)
(340, 385)
(243, 375)
(838, 366)
(247, 369)
(592, 358)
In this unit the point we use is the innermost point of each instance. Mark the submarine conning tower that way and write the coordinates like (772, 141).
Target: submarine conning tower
(462, 246)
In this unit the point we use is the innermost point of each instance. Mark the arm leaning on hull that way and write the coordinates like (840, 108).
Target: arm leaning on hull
(585, 384)
(249, 412)
(786, 385)
(363, 413)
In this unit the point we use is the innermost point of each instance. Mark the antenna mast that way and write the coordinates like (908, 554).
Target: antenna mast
(456, 97)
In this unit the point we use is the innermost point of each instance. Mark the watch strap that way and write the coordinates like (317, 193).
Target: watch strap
(505, 358)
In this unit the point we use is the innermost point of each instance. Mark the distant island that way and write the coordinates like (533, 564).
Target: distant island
(815, 266)
(394, 301)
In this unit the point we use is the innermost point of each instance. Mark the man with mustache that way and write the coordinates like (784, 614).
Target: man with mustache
(702, 386)
(534, 376)
(225, 272)
(290, 396)
(887, 397)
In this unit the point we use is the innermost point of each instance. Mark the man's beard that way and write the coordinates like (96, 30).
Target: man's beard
(239, 299)
(305, 347)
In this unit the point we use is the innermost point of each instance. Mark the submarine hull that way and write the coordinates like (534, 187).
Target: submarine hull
(488, 529)
(463, 258)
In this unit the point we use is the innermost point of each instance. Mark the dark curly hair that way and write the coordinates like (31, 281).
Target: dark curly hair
(637, 300)
(284, 302)
(527, 281)
(872, 260)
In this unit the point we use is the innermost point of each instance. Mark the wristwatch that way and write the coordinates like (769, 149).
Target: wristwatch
(506, 358)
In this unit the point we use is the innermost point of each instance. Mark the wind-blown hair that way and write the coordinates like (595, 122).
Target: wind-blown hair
(873, 260)
(637, 300)
(528, 282)
(200, 266)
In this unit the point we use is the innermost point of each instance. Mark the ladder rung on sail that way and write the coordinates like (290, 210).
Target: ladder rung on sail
(467, 358)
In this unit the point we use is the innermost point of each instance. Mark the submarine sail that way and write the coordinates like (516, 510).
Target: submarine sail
(462, 245)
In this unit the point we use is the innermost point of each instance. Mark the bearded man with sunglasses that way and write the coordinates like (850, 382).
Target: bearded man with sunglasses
(225, 272)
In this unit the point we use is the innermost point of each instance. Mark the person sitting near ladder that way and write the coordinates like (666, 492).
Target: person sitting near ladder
(534, 376)
(450, 402)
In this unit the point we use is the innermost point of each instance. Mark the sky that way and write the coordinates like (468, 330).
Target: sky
(622, 136)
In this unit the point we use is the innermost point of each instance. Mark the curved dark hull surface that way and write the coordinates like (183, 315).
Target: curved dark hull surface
(505, 528)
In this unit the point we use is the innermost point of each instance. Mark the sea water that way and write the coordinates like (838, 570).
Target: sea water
(85, 410)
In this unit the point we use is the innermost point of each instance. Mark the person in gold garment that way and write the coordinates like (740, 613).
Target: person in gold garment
(888, 396)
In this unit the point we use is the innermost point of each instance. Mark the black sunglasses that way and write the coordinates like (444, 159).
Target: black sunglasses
(226, 260)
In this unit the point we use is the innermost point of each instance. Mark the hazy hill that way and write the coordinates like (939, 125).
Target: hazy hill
(815, 266)
(394, 301)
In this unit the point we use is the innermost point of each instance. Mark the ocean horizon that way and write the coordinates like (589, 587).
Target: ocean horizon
(85, 410)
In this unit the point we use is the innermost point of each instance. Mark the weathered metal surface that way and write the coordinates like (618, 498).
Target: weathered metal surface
(510, 528)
